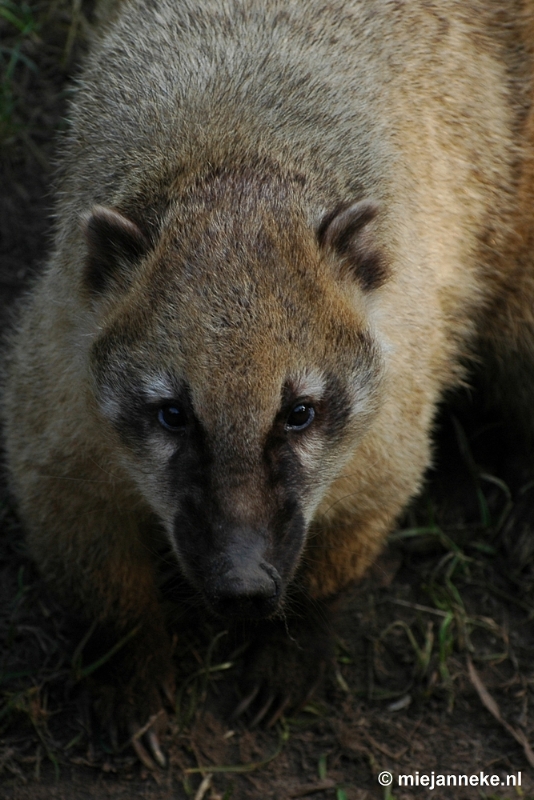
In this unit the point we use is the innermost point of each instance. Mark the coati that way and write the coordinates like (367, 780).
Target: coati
(283, 232)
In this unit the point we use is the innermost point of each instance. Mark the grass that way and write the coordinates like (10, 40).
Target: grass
(444, 628)
(21, 28)
(40, 41)
(453, 614)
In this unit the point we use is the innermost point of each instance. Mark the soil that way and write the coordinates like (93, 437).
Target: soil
(434, 663)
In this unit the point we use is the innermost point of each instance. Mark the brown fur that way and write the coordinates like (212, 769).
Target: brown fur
(234, 137)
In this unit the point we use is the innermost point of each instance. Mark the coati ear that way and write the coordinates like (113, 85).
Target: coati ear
(113, 242)
(345, 231)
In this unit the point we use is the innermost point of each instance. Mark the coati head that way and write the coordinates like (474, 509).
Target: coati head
(235, 362)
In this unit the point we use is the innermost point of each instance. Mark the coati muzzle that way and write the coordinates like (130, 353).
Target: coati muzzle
(241, 584)
(241, 571)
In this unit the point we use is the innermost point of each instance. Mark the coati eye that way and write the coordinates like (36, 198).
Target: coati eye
(171, 417)
(300, 417)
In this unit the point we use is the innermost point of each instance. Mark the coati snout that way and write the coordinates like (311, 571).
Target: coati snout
(241, 584)
(240, 560)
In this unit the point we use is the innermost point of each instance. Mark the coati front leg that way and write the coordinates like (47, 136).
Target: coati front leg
(286, 659)
(89, 542)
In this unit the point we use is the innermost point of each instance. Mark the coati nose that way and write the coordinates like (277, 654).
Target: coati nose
(253, 593)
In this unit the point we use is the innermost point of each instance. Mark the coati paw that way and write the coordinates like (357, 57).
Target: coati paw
(265, 706)
(285, 667)
(126, 699)
(134, 715)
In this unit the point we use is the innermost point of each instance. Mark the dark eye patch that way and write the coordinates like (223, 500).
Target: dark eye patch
(330, 413)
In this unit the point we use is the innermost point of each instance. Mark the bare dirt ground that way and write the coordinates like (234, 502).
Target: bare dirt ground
(435, 650)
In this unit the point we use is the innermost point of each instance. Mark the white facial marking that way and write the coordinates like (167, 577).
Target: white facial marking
(310, 383)
(158, 388)
(360, 392)
(309, 448)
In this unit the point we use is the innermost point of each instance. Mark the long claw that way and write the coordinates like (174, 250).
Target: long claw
(153, 743)
(312, 689)
(114, 736)
(262, 712)
(161, 722)
(142, 754)
(245, 702)
(278, 713)
(170, 694)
